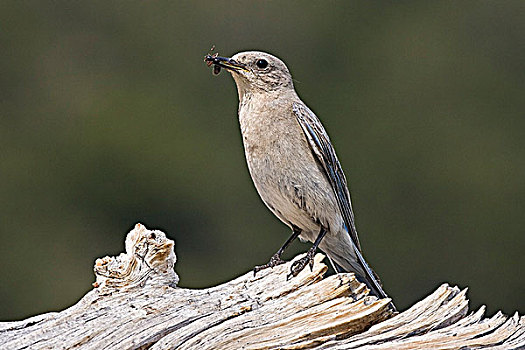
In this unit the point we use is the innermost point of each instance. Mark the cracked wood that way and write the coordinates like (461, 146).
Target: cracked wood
(136, 304)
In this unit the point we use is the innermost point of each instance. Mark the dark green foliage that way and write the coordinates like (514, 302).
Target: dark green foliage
(109, 116)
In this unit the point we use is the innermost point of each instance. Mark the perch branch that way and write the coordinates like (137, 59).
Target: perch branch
(136, 304)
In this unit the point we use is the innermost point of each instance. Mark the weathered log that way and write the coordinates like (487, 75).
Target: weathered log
(136, 304)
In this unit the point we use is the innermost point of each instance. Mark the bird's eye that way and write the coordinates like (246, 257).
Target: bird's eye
(262, 63)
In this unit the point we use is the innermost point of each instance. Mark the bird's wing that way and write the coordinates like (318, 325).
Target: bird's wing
(325, 154)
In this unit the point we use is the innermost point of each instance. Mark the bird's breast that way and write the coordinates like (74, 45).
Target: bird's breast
(283, 168)
(272, 139)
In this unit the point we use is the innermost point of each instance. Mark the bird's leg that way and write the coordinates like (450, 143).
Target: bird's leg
(276, 258)
(308, 259)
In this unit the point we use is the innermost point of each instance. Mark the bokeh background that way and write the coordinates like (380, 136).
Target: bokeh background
(109, 117)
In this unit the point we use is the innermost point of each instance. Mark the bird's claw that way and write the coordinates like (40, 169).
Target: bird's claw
(274, 261)
(300, 264)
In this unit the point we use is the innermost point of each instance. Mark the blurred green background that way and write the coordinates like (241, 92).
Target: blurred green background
(110, 117)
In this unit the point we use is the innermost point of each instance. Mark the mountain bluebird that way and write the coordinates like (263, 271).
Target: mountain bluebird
(293, 165)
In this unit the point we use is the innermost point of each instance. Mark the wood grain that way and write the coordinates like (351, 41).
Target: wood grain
(136, 304)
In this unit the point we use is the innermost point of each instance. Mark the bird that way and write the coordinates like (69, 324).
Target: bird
(294, 166)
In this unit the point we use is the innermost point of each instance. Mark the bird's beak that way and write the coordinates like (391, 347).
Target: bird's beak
(225, 62)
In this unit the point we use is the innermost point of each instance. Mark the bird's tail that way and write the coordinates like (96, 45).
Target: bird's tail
(363, 273)
(345, 257)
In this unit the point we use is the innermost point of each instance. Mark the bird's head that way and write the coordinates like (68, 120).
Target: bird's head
(255, 71)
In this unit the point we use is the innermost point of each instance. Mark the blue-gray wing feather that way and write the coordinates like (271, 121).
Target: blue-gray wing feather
(325, 154)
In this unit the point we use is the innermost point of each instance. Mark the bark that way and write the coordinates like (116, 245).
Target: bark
(136, 304)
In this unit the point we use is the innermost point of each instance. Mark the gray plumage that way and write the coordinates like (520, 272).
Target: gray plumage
(293, 163)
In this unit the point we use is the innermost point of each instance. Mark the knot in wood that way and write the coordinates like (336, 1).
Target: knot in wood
(149, 258)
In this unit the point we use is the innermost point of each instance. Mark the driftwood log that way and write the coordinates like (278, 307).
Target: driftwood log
(136, 304)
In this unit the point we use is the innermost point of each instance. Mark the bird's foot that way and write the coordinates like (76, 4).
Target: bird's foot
(300, 264)
(274, 261)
